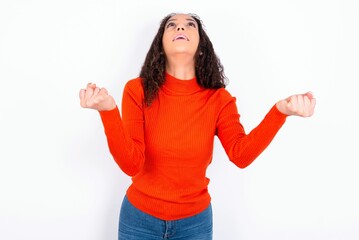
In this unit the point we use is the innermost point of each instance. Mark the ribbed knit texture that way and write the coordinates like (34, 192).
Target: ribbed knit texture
(167, 147)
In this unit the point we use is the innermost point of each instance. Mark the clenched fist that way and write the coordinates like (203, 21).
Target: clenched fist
(298, 105)
(96, 98)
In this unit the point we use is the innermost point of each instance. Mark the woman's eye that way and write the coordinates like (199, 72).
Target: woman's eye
(171, 24)
(191, 24)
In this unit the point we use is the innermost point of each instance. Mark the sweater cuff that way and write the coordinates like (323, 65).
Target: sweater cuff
(276, 114)
(110, 116)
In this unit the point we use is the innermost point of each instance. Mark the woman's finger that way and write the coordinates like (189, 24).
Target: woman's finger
(96, 91)
(88, 93)
(82, 97)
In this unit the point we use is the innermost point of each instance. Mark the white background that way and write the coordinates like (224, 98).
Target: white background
(57, 178)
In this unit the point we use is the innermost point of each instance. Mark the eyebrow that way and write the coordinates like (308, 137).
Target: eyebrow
(175, 19)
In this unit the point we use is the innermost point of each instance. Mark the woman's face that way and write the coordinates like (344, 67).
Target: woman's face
(180, 35)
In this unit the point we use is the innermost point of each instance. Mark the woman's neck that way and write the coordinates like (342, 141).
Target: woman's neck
(181, 69)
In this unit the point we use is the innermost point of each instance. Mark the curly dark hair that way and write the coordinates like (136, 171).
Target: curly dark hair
(208, 68)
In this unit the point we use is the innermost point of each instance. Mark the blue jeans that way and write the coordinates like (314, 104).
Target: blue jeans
(137, 225)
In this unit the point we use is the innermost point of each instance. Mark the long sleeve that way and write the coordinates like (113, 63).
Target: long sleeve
(125, 136)
(241, 148)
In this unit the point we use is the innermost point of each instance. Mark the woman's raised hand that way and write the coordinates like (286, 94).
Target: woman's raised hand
(96, 98)
(298, 105)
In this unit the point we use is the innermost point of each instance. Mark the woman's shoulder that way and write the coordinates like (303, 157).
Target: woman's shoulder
(134, 83)
(220, 97)
(223, 93)
(133, 87)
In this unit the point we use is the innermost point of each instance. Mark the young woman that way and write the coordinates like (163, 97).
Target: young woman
(164, 137)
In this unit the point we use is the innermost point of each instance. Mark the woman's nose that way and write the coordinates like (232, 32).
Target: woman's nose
(180, 28)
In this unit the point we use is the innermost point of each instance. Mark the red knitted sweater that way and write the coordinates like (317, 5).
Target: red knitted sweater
(167, 147)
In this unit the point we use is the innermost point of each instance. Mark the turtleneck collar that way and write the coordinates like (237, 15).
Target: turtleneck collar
(177, 86)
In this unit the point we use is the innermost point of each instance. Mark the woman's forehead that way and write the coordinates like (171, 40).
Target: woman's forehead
(180, 16)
